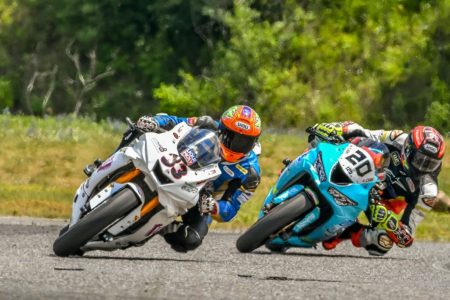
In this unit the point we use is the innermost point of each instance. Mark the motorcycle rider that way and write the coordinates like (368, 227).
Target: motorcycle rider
(416, 159)
(239, 129)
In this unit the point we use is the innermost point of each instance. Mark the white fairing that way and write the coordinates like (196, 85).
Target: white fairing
(152, 148)
(152, 154)
(357, 164)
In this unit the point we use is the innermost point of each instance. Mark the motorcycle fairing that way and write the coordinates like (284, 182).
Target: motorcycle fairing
(344, 212)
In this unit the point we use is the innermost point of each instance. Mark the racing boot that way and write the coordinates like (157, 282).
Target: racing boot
(331, 243)
(334, 241)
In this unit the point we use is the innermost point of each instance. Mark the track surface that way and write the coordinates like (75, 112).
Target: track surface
(29, 270)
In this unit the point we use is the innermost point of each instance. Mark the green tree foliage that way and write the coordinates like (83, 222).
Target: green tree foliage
(324, 60)
(145, 43)
(382, 63)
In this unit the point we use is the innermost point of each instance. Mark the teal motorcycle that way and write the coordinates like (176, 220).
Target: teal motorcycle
(318, 195)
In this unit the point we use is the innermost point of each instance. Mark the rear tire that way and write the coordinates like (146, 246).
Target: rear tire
(70, 241)
(279, 217)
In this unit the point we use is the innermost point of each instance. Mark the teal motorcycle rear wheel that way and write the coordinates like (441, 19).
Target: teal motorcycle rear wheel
(277, 218)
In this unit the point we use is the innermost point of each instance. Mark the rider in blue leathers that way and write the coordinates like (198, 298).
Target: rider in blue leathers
(239, 129)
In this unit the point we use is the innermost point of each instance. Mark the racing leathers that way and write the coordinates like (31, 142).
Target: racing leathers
(235, 185)
(419, 192)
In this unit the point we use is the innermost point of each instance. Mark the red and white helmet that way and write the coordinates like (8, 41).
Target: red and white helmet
(423, 150)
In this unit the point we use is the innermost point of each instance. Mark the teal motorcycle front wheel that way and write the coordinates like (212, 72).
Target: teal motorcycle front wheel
(279, 217)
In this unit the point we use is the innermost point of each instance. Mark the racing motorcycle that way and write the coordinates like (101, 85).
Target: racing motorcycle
(140, 189)
(317, 196)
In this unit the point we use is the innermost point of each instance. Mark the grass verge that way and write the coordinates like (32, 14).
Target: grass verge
(41, 166)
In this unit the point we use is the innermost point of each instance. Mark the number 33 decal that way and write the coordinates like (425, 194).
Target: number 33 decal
(178, 169)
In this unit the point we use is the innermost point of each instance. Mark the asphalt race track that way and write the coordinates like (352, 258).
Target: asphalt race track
(29, 270)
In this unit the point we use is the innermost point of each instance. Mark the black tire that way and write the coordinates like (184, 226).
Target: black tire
(70, 241)
(279, 217)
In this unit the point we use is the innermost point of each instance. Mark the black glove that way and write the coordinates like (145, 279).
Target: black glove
(206, 122)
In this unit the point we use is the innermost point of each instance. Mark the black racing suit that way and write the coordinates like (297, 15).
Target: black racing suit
(419, 190)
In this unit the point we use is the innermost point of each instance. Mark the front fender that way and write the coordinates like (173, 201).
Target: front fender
(287, 194)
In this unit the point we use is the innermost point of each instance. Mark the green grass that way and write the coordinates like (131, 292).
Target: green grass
(41, 166)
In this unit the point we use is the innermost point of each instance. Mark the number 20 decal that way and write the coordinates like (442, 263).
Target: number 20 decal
(361, 163)
(178, 169)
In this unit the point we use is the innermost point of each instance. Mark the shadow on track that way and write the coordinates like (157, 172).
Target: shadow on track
(328, 255)
(135, 258)
(284, 278)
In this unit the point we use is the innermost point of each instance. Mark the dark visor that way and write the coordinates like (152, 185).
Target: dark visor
(237, 142)
(424, 163)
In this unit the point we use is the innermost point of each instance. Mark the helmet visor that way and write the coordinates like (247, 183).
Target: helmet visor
(424, 163)
(237, 142)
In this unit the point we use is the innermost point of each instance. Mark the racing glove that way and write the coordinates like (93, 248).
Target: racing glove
(206, 122)
(328, 129)
(147, 124)
(379, 213)
(207, 204)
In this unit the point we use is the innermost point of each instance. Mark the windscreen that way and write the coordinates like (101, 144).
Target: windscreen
(199, 148)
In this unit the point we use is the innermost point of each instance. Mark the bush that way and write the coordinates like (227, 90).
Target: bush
(6, 98)
(438, 115)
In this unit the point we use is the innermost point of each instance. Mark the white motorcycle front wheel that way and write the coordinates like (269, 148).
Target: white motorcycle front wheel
(70, 241)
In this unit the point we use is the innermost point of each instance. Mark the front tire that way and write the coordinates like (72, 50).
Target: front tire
(280, 216)
(70, 241)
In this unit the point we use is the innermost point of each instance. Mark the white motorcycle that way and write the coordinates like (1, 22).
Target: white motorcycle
(140, 189)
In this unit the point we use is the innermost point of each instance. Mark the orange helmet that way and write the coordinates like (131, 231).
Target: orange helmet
(239, 129)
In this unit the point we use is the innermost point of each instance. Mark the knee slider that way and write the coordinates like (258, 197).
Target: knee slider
(193, 238)
(184, 239)
(376, 242)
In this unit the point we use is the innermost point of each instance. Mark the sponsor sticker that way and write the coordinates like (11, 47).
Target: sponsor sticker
(228, 171)
(189, 156)
(246, 112)
(105, 165)
(242, 169)
(395, 158)
(242, 125)
(190, 188)
(318, 165)
(158, 145)
(340, 198)
(430, 148)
